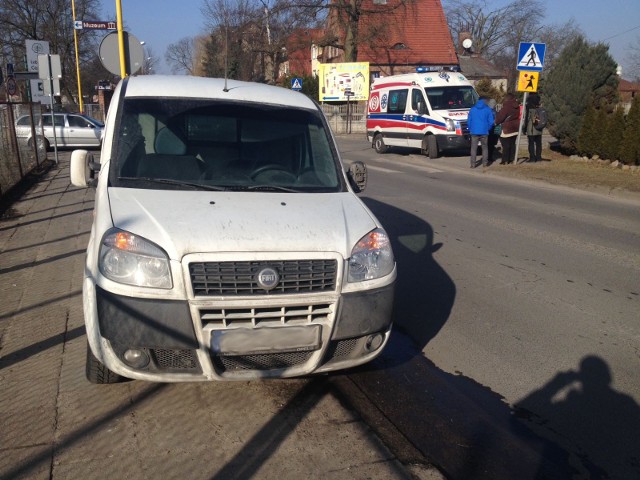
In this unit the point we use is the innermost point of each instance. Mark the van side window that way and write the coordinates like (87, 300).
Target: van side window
(397, 101)
(418, 103)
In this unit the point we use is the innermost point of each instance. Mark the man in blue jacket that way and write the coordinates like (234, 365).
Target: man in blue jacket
(481, 118)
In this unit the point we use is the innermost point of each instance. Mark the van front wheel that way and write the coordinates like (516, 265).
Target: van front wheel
(430, 146)
(96, 372)
(379, 145)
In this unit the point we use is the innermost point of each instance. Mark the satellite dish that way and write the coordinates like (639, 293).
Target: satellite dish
(466, 43)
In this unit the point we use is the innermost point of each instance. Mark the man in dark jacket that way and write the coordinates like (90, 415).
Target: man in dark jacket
(509, 118)
(535, 121)
(480, 123)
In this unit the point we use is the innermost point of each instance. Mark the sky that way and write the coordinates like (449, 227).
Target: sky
(160, 23)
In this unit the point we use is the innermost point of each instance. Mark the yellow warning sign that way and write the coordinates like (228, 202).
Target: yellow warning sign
(528, 81)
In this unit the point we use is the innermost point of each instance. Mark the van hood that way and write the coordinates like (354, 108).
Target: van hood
(460, 114)
(185, 222)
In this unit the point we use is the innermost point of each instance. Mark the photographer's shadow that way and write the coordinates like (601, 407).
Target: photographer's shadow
(593, 422)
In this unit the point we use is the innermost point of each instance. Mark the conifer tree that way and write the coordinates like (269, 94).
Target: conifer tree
(586, 144)
(598, 132)
(582, 71)
(612, 138)
(630, 148)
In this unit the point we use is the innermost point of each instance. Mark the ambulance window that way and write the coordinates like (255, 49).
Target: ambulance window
(397, 101)
(418, 104)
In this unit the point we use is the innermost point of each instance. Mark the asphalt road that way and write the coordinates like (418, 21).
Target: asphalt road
(515, 352)
(519, 306)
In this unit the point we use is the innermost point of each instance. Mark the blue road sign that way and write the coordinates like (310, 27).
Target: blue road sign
(296, 84)
(531, 56)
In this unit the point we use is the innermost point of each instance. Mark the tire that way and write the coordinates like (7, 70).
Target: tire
(41, 142)
(96, 372)
(432, 147)
(379, 145)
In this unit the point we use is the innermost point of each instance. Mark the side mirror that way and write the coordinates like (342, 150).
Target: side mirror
(83, 168)
(422, 109)
(357, 175)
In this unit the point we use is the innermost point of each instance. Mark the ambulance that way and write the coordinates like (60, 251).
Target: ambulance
(425, 110)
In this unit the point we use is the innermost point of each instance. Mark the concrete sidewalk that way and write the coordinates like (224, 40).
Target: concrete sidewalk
(55, 424)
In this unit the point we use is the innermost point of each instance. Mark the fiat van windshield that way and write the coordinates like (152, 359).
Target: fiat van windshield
(229, 145)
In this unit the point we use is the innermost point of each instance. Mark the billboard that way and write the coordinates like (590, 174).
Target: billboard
(340, 82)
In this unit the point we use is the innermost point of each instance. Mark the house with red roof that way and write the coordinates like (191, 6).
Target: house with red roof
(628, 91)
(394, 36)
(302, 52)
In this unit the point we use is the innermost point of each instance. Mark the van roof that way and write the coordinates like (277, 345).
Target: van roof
(183, 86)
(424, 79)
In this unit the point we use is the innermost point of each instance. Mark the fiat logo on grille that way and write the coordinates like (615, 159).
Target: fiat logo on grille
(268, 278)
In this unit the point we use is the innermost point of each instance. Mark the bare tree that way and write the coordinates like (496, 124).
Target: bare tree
(22, 20)
(180, 56)
(494, 30)
(149, 62)
(633, 60)
(351, 22)
(235, 28)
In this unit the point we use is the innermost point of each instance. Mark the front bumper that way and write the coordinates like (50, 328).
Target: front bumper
(453, 142)
(269, 337)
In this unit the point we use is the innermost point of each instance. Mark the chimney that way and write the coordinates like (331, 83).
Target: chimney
(464, 43)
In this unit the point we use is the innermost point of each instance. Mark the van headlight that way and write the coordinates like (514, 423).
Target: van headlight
(451, 125)
(133, 260)
(371, 257)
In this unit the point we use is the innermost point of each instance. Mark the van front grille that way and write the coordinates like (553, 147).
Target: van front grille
(239, 278)
(266, 316)
(263, 361)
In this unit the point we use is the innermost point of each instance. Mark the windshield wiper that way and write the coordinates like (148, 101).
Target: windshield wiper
(179, 183)
(271, 188)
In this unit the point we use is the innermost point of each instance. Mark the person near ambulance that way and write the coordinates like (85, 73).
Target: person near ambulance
(535, 122)
(480, 121)
(509, 118)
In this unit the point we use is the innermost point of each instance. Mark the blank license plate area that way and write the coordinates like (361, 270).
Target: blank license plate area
(247, 341)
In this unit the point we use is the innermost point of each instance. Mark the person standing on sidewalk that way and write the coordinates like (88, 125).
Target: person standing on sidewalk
(509, 118)
(480, 122)
(535, 121)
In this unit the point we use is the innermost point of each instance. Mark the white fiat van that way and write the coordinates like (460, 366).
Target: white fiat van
(426, 110)
(227, 242)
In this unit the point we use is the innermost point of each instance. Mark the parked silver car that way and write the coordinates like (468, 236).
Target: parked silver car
(72, 130)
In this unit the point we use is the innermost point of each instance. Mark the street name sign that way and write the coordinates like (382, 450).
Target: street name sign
(94, 25)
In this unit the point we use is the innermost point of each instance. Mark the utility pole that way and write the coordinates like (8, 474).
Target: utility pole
(75, 41)
(123, 62)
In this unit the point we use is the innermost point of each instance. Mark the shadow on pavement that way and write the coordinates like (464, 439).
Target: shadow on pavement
(464, 428)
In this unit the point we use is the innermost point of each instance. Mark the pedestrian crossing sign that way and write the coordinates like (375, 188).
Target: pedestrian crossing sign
(531, 56)
(296, 84)
(528, 82)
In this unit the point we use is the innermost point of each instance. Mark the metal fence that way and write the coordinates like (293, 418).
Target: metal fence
(18, 156)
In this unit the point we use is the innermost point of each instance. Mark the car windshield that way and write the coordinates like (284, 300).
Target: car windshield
(222, 146)
(450, 98)
(93, 120)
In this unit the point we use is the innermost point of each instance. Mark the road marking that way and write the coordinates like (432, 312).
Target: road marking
(380, 169)
(416, 167)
